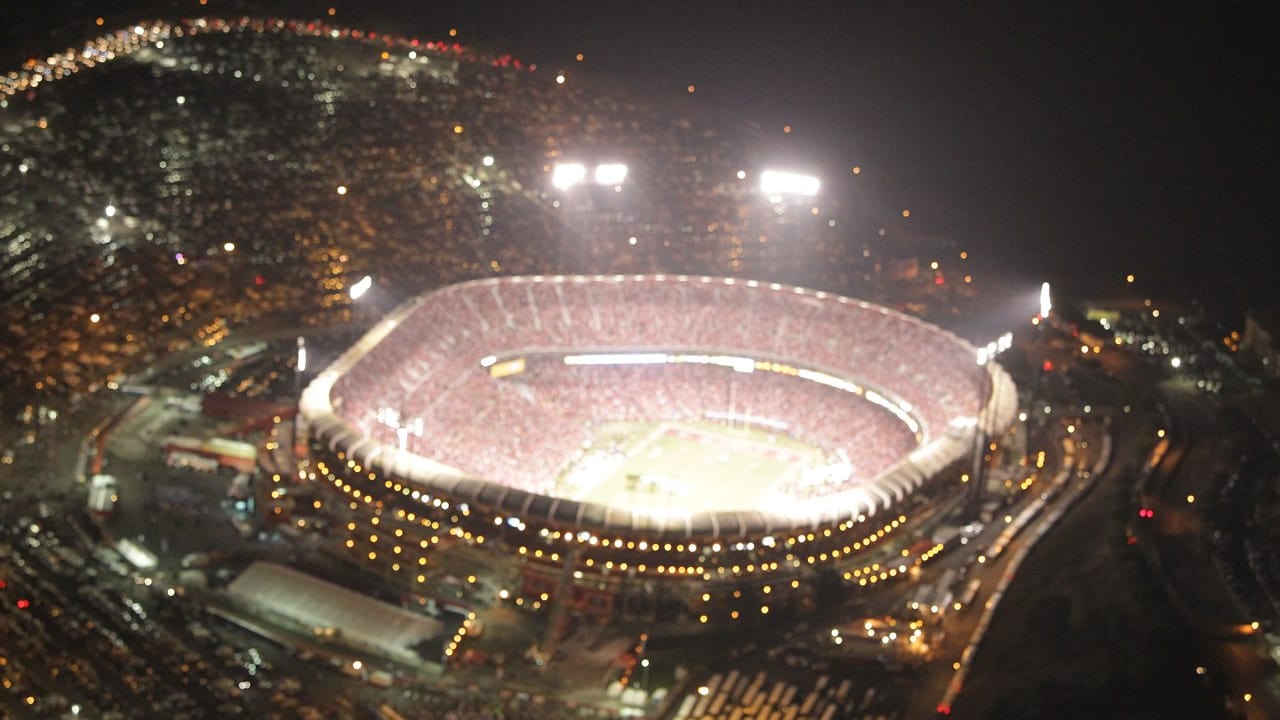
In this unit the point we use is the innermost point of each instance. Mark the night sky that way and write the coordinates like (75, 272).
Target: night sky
(1075, 144)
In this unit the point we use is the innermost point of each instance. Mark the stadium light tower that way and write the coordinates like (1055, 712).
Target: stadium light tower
(610, 173)
(986, 398)
(566, 175)
(300, 366)
(777, 184)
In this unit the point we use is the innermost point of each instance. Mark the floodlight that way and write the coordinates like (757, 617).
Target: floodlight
(566, 175)
(1045, 304)
(361, 287)
(611, 173)
(776, 183)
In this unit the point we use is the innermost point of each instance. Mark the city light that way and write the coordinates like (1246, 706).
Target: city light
(1045, 304)
(775, 183)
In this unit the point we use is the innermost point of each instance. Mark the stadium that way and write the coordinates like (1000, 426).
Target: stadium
(605, 430)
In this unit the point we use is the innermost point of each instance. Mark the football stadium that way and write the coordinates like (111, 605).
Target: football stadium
(729, 437)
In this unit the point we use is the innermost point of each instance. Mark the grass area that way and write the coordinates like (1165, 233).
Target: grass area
(688, 466)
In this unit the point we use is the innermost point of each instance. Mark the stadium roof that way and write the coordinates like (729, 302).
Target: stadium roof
(317, 603)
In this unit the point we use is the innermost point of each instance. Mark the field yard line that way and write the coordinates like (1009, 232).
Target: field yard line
(649, 439)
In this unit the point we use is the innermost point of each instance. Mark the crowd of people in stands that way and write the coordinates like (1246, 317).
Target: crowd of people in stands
(523, 430)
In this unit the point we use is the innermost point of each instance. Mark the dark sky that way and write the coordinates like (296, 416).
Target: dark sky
(1076, 143)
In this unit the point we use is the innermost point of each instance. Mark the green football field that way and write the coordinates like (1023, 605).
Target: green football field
(688, 467)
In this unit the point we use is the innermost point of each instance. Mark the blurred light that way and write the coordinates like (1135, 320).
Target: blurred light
(1045, 304)
(1129, 278)
(94, 318)
(457, 129)
(361, 287)
(906, 213)
(742, 174)
(110, 211)
(566, 175)
(1176, 362)
(857, 169)
(487, 161)
(229, 246)
(453, 32)
(776, 183)
(559, 78)
(342, 189)
(579, 57)
(786, 129)
(182, 100)
(692, 88)
(611, 174)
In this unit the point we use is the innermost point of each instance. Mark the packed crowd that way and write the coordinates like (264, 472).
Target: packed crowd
(522, 431)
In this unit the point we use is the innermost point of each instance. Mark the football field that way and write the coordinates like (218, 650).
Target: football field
(688, 467)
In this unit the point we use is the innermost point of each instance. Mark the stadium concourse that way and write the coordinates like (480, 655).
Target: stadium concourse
(456, 415)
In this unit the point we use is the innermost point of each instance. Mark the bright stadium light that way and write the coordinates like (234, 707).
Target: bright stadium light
(776, 183)
(361, 287)
(1045, 304)
(566, 175)
(610, 173)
